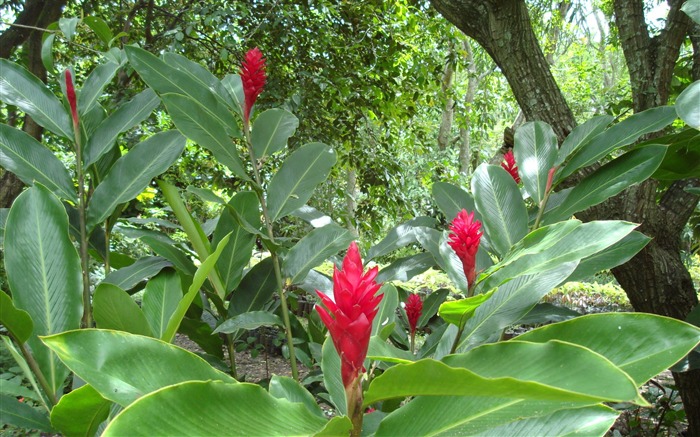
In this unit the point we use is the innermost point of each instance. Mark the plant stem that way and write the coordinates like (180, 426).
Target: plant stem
(353, 398)
(275, 258)
(413, 342)
(29, 358)
(87, 305)
(543, 204)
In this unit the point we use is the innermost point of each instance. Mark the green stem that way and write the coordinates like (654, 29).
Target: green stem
(413, 342)
(353, 398)
(87, 305)
(543, 204)
(275, 258)
(29, 358)
(453, 349)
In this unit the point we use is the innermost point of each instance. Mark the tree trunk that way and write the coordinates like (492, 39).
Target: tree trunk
(448, 113)
(655, 280)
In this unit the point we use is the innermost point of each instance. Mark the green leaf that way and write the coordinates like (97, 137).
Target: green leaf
(94, 85)
(100, 27)
(200, 332)
(113, 308)
(337, 426)
(403, 269)
(160, 300)
(249, 321)
(43, 271)
(535, 151)
(682, 159)
(399, 237)
(235, 94)
(283, 387)
(23, 415)
(687, 105)
(32, 162)
(80, 412)
(457, 312)
(317, 246)
(21, 88)
(629, 169)
(255, 290)
(615, 255)
(642, 345)
(128, 277)
(122, 367)
(294, 183)
(170, 252)
(17, 322)
(68, 26)
(431, 305)
(332, 380)
(271, 130)
(47, 53)
(127, 116)
(22, 363)
(133, 172)
(382, 350)
(581, 135)
(624, 133)
(543, 313)
(451, 199)
(500, 203)
(386, 314)
(221, 410)
(692, 8)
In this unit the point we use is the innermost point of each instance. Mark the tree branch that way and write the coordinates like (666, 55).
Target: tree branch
(677, 205)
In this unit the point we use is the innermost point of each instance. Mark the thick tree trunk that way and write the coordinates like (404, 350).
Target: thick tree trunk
(655, 280)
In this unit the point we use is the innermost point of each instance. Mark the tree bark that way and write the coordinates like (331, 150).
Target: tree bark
(655, 280)
(448, 112)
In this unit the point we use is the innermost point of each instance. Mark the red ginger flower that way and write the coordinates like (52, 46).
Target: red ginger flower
(349, 318)
(509, 165)
(464, 239)
(414, 309)
(72, 101)
(253, 77)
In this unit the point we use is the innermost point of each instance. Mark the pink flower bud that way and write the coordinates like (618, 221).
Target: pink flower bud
(253, 77)
(414, 309)
(70, 95)
(509, 165)
(464, 240)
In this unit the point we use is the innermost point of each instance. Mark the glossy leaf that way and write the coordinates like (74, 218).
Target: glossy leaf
(271, 130)
(382, 350)
(113, 308)
(294, 183)
(170, 252)
(431, 305)
(22, 363)
(615, 255)
(332, 381)
(32, 162)
(581, 135)
(255, 290)
(451, 199)
(160, 300)
(100, 27)
(622, 134)
(682, 159)
(629, 169)
(94, 85)
(283, 387)
(128, 277)
(124, 118)
(399, 236)
(23, 415)
(21, 88)
(43, 271)
(386, 314)
(17, 322)
(133, 172)
(221, 410)
(642, 345)
(687, 105)
(122, 367)
(80, 412)
(457, 312)
(500, 204)
(403, 269)
(316, 246)
(544, 313)
(249, 321)
(234, 88)
(191, 118)
(535, 151)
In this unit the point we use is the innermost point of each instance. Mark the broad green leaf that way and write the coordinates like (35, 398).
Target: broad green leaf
(642, 345)
(451, 199)
(200, 276)
(332, 380)
(283, 387)
(47, 53)
(17, 322)
(95, 84)
(622, 134)
(113, 308)
(581, 135)
(312, 216)
(100, 27)
(271, 130)
(500, 203)
(220, 410)
(128, 277)
(80, 412)
(255, 290)
(122, 367)
(431, 305)
(165, 79)
(23, 415)
(192, 120)
(127, 116)
(629, 169)
(67, 26)
(177, 257)
(682, 159)
(687, 106)
(403, 269)
(14, 387)
(386, 314)
(399, 236)
(235, 94)
(132, 173)
(382, 350)
(457, 312)
(200, 332)
(544, 313)
(22, 363)
(317, 246)
(535, 151)
(160, 299)
(249, 321)
(294, 183)
(205, 194)
(615, 255)
(237, 253)
(32, 162)
(337, 426)
(43, 271)
(21, 88)
(692, 8)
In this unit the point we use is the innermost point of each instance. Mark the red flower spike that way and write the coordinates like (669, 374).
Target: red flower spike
(349, 318)
(70, 95)
(414, 309)
(464, 239)
(253, 77)
(509, 165)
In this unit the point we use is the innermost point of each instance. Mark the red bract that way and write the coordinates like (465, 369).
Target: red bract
(414, 309)
(70, 95)
(510, 167)
(349, 318)
(253, 77)
(465, 239)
